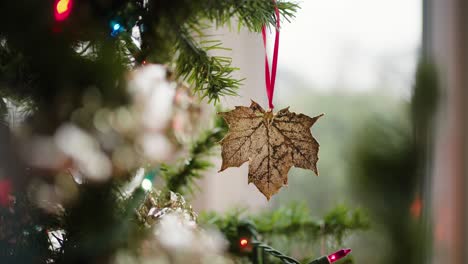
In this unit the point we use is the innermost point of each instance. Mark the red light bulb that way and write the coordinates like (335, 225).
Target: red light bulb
(338, 255)
(5, 192)
(243, 242)
(62, 9)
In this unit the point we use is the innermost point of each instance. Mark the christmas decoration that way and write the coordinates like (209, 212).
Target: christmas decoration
(62, 9)
(184, 242)
(289, 260)
(248, 234)
(272, 143)
(338, 255)
(156, 205)
(244, 242)
(116, 28)
(5, 192)
(102, 165)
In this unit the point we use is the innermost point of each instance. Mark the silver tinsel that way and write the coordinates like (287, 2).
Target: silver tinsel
(156, 206)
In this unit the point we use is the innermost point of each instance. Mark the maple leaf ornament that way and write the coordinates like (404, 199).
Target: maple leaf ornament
(271, 143)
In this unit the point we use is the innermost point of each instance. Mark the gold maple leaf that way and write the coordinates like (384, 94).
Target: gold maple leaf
(272, 143)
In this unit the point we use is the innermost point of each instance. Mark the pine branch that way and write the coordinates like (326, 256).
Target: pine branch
(292, 220)
(296, 219)
(180, 179)
(252, 14)
(286, 221)
(210, 75)
(15, 74)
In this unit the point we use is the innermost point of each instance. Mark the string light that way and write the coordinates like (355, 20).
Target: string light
(286, 259)
(244, 242)
(416, 207)
(146, 184)
(116, 28)
(5, 192)
(338, 255)
(62, 9)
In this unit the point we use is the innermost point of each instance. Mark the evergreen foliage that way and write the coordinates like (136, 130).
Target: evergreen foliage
(293, 221)
(181, 179)
(84, 43)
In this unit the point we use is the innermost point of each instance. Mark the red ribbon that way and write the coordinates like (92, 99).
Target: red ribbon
(270, 80)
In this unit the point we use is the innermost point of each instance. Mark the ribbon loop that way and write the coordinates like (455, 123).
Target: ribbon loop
(270, 79)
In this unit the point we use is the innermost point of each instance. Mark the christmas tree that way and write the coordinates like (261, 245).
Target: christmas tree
(93, 170)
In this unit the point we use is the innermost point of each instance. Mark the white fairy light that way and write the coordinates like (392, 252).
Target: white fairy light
(146, 184)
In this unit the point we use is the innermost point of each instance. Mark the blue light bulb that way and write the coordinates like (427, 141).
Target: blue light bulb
(116, 26)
